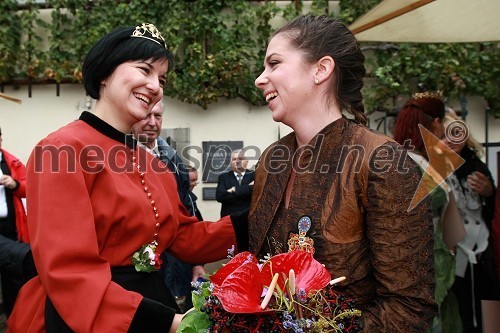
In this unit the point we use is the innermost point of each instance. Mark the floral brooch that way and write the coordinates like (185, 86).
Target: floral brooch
(146, 259)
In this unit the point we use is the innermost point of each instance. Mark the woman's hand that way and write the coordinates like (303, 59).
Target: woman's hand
(176, 322)
(479, 183)
(8, 182)
(198, 272)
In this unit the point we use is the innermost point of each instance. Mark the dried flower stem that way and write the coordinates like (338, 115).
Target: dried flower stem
(270, 291)
(337, 280)
(291, 282)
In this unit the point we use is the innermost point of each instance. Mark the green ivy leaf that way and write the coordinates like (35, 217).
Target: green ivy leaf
(194, 322)
(235, 34)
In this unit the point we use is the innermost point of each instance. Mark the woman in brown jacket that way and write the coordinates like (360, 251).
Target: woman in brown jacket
(349, 187)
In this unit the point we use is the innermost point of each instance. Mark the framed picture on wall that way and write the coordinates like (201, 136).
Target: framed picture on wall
(216, 157)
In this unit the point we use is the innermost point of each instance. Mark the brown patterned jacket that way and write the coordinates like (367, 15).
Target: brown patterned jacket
(356, 186)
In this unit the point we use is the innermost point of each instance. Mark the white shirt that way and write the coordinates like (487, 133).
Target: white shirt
(236, 174)
(153, 151)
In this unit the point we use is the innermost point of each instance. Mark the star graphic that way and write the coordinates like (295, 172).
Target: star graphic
(443, 161)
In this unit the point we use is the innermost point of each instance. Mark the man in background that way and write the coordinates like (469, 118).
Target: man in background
(193, 181)
(177, 274)
(235, 187)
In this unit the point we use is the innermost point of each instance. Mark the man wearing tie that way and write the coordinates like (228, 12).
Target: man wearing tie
(234, 188)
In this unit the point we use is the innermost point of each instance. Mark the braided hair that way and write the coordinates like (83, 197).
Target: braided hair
(319, 36)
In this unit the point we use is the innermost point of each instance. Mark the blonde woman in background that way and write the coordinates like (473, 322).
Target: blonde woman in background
(427, 111)
(474, 191)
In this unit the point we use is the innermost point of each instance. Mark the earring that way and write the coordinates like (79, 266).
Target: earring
(316, 81)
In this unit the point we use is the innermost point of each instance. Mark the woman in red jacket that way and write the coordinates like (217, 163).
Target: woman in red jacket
(102, 209)
(13, 225)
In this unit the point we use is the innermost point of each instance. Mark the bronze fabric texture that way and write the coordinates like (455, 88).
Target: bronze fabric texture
(356, 186)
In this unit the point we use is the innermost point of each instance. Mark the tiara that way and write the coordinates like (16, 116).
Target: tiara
(149, 31)
(429, 94)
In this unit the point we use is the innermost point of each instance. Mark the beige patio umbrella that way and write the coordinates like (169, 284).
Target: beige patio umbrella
(430, 21)
(10, 98)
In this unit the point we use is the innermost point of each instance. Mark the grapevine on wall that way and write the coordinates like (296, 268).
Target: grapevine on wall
(219, 46)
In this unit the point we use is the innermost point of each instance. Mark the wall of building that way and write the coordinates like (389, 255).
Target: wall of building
(229, 120)
(23, 125)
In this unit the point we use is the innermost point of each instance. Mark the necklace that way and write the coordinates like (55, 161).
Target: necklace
(146, 259)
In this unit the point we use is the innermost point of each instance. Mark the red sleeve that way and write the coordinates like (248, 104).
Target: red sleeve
(65, 248)
(207, 241)
(496, 232)
(18, 172)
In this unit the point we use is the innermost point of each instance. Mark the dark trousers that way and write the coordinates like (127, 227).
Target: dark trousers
(11, 285)
(12, 254)
(178, 276)
(486, 287)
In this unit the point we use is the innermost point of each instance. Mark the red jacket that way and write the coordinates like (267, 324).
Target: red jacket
(18, 172)
(495, 226)
(88, 215)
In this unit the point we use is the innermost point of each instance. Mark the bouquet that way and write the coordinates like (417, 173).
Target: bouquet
(289, 292)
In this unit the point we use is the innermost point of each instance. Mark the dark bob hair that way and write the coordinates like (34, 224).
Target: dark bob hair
(114, 49)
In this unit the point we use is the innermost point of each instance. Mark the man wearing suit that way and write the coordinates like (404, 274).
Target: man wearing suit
(234, 188)
(177, 274)
(193, 181)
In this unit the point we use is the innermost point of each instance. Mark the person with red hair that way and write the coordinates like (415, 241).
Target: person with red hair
(427, 110)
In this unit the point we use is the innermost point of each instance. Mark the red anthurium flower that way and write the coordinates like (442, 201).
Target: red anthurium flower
(239, 284)
(241, 289)
(232, 265)
(310, 275)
